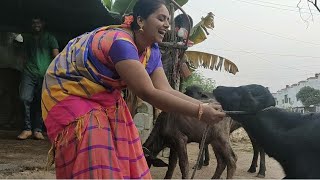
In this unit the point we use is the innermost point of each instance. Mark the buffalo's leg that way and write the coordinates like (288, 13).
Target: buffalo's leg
(173, 158)
(228, 156)
(206, 156)
(221, 164)
(254, 162)
(231, 160)
(262, 170)
(225, 157)
(183, 156)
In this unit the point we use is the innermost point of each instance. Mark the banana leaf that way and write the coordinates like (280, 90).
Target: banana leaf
(125, 6)
(107, 4)
(197, 59)
(182, 2)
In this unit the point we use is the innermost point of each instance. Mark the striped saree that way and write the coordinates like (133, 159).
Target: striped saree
(87, 120)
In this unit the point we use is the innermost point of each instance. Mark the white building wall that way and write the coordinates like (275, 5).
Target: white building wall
(291, 92)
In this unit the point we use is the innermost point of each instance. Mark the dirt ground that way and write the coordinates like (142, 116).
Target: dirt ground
(26, 159)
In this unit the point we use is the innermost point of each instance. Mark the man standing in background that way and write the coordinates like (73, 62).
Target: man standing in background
(41, 48)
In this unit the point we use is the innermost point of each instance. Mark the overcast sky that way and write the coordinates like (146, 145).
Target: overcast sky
(267, 39)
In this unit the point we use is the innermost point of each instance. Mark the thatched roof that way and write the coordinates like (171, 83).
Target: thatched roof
(62, 16)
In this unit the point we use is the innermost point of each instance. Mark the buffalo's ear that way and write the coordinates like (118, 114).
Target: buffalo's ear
(258, 97)
(159, 163)
(265, 100)
(248, 102)
(271, 100)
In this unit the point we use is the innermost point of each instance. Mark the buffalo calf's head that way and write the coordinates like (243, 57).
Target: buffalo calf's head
(250, 98)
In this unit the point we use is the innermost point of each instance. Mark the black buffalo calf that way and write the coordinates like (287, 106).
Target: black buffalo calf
(290, 138)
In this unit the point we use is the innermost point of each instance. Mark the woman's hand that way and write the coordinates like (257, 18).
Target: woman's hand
(212, 113)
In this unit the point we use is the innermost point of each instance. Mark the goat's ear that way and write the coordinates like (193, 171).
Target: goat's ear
(159, 163)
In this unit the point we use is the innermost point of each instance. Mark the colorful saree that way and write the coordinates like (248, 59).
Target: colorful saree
(87, 120)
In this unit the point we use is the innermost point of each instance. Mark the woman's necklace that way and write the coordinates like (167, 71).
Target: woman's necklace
(135, 41)
(142, 55)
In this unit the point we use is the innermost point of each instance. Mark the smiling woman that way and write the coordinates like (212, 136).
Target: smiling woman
(87, 120)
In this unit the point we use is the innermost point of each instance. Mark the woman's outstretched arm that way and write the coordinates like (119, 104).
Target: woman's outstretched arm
(138, 80)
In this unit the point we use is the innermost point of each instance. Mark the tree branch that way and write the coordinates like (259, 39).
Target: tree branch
(315, 4)
(300, 12)
(311, 15)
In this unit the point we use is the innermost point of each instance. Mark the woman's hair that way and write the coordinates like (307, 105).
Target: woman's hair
(144, 8)
(181, 21)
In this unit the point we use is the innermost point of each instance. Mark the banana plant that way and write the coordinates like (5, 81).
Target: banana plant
(197, 59)
(122, 7)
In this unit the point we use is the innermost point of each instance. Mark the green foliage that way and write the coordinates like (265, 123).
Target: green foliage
(309, 96)
(180, 2)
(107, 4)
(207, 84)
(125, 6)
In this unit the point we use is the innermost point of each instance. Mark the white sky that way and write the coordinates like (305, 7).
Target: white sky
(273, 47)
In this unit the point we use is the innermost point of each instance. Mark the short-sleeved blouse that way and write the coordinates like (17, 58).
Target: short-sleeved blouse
(112, 46)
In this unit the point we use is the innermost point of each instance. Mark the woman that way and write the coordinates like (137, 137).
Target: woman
(87, 120)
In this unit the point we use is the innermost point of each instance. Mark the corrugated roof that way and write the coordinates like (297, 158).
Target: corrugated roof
(67, 16)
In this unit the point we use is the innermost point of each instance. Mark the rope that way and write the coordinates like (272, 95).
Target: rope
(204, 136)
(236, 112)
(203, 140)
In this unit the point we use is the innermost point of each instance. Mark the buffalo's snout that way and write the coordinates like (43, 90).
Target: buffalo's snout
(152, 160)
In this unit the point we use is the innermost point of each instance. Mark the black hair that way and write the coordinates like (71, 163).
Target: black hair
(144, 8)
(38, 17)
(182, 21)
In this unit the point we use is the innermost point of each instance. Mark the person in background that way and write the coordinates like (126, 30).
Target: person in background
(88, 122)
(40, 48)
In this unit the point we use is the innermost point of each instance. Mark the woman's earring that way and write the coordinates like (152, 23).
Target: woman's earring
(141, 30)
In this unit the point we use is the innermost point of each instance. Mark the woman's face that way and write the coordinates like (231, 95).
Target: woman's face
(156, 25)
